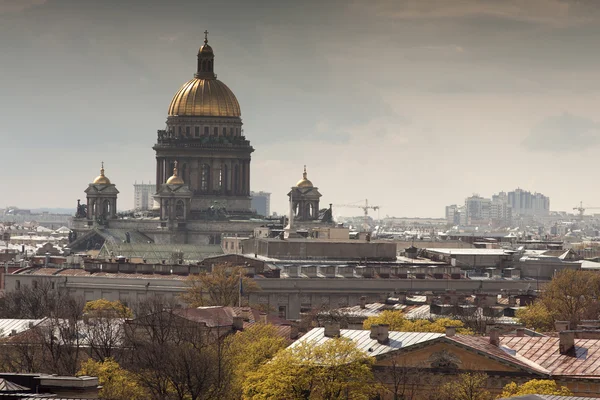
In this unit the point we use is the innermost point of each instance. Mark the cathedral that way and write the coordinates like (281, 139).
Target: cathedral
(202, 174)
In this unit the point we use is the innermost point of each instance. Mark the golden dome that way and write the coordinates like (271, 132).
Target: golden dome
(101, 179)
(204, 98)
(304, 183)
(175, 180)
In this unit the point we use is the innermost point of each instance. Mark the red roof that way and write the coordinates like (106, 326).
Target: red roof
(544, 351)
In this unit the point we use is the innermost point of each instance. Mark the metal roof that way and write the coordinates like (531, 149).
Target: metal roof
(471, 252)
(544, 352)
(362, 339)
(15, 326)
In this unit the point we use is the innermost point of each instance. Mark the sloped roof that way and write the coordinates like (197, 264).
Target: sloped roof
(544, 397)
(544, 351)
(153, 252)
(8, 386)
(362, 339)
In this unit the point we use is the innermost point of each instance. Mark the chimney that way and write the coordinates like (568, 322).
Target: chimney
(363, 302)
(560, 326)
(450, 331)
(332, 329)
(520, 332)
(566, 341)
(263, 318)
(374, 331)
(383, 333)
(245, 314)
(238, 323)
(495, 336)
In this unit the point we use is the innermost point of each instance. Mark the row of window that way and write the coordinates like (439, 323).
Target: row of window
(206, 132)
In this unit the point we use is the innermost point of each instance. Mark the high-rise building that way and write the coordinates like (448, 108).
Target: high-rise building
(261, 203)
(477, 209)
(527, 204)
(143, 196)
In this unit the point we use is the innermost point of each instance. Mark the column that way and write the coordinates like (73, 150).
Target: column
(158, 181)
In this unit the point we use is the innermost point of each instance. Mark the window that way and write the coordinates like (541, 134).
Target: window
(224, 131)
(197, 131)
(204, 177)
(34, 284)
(282, 312)
(237, 131)
(206, 131)
(179, 130)
(216, 131)
(187, 130)
(18, 284)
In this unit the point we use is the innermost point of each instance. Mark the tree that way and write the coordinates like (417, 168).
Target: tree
(335, 369)
(117, 383)
(107, 308)
(535, 386)
(174, 357)
(571, 295)
(31, 302)
(249, 349)
(220, 287)
(103, 327)
(397, 322)
(536, 316)
(469, 386)
(400, 380)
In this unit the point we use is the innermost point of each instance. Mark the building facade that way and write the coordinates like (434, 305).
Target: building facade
(204, 135)
(143, 196)
(261, 203)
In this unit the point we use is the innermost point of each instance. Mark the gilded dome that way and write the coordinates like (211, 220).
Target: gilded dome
(204, 98)
(175, 179)
(101, 179)
(304, 182)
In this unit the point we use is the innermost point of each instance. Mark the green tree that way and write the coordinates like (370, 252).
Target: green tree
(535, 386)
(335, 369)
(571, 296)
(220, 287)
(397, 322)
(107, 308)
(536, 316)
(469, 386)
(117, 383)
(248, 350)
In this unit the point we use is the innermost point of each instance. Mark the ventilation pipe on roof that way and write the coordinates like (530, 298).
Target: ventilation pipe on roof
(332, 329)
(374, 331)
(383, 334)
(263, 318)
(238, 323)
(520, 332)
(450, 331)
(560, 326)
(363, 302)
(495, 336)
(566, 341)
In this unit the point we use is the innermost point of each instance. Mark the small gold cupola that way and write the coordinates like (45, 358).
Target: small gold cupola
(101, 179)
(304, 182)
(175, 179)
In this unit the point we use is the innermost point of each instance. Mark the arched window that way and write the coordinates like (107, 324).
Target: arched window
(106, 208)
(205, 178)
(179, 209)
(310, 210)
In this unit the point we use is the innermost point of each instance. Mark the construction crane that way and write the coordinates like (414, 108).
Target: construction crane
(366, 207)
(581, 209)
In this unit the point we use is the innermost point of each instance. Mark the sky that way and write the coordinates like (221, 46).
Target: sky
(411, 104)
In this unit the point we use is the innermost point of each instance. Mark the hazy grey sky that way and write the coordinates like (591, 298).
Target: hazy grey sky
(413, 104)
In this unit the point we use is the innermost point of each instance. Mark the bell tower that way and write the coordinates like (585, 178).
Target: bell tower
(101, 199)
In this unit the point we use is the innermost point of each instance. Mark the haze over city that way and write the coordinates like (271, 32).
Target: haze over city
(411, 104)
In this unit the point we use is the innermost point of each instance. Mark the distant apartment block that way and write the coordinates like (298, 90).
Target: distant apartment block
(525, 203)
(143, 196)
(261, 203)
